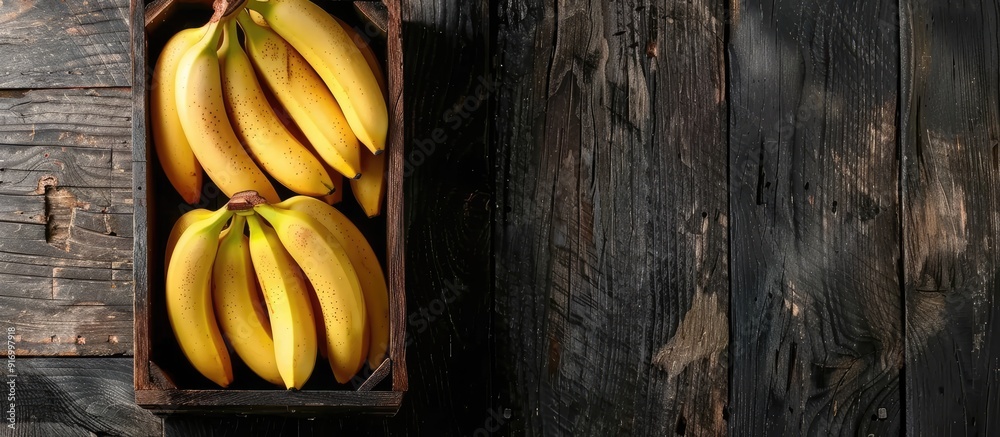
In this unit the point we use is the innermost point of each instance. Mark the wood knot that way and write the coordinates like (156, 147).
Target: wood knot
(46, 182)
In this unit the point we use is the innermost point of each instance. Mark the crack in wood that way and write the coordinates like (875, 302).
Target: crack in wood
(60, 210)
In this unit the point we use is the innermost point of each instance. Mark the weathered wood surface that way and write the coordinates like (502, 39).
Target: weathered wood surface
(70, 397)
(66, 220)
(815, 233)
(612, 277)
(951, 172)
(51, 43)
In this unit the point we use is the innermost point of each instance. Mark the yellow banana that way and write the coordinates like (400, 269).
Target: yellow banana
(189, 298)
(369, 190)
(293, 326)
(369, 271)
(338, 194)
(325, 262)
(242, 317)
(331, 52)
(202, 112)
(172, 147)
(304, 96)
(317, 313)
(267, 140)
(185, 221)
(368, 53)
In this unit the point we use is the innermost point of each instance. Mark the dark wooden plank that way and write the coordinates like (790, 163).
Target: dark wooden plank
(306, 403)
(66, 220)
(51, 43)
(65, 267)
(98, 118)
(951, 123)
(395, 211)
(816, 305)
(69, 397)
(142, 178)
(231, 426)
(27, 167)
(611, 265)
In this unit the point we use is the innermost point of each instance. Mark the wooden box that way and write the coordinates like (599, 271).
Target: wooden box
(164, 381)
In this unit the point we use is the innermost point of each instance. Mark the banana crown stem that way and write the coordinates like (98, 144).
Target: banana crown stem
(236, 228)
(266, 211)
(219, 217)
(250, 28)
(261, 6)
(256, 226)
(232, 43)
(211, 39)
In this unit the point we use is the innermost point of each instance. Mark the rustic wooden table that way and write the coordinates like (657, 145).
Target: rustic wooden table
(689, 217)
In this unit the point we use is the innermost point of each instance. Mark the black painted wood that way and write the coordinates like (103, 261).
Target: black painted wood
(951, 171)
(816, 317)
(611, 268)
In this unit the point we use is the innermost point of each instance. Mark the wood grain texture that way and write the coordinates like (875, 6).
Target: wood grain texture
(951, 83)
(83, 118)
(66, 220)
(816, 305)
(77, 397)
(395, 211)
(307, 403)
(612, 275)
(50, 44)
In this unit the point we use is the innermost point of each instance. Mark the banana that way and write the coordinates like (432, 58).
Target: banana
(317, 313)
(331, 52)
(172, 147)
(242, 318)
(267, 140)
(189, 299)
(370, 273)
(304, 96)
(369, 190)
(368, 53)
(185, 221)
(202, 113)
(293, 326)
(325, 262)
(338, 194)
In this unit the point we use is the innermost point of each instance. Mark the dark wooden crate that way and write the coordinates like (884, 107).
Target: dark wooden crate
(164, 381)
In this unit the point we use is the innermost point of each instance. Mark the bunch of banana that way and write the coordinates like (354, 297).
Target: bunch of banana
(305, 282)
(301, 99)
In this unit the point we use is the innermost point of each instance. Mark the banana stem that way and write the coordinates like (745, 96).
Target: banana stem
(245, 201)
(260, 6)
(256, 226)
(246, 22)
(236, 226)
(224, 9)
